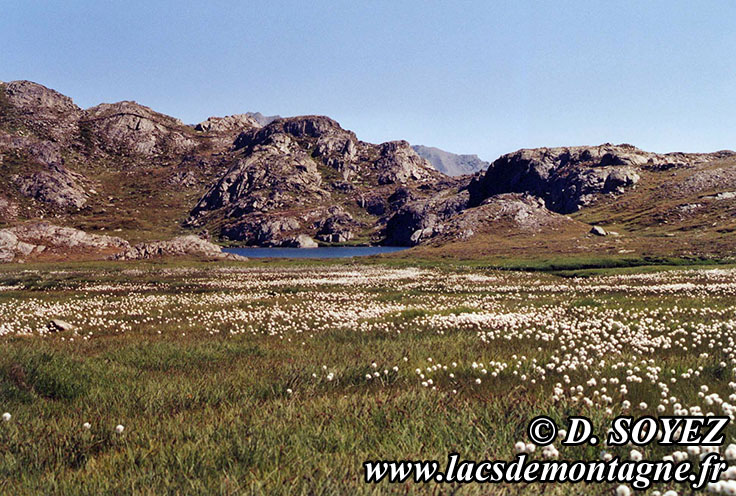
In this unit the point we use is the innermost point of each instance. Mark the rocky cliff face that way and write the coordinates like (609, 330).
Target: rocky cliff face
(566, 178)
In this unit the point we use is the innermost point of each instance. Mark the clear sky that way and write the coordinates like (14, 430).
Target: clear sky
(481, 77)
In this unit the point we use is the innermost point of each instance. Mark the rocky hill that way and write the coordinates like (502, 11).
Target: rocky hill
(128, 172)
(307, 175)
(674, 203)
(450, 163)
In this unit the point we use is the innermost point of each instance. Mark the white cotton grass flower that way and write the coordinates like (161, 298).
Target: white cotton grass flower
(730, 453)
(86, 426)
(289, 391)
(550, 452)
(7, 417)
(635, 455)
(693, 450)
(729, 474)
(679, 456)
(728, 487)
(520, 447)
(714, 487)
(671, 492)
(119, 428)
(623, 490)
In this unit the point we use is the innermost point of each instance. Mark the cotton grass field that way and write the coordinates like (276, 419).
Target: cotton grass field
(261, 378)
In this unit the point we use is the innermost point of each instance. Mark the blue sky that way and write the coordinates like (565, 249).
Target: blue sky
(468, 76)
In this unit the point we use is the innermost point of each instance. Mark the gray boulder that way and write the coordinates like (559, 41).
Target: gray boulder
(300, 241)
(58, 325)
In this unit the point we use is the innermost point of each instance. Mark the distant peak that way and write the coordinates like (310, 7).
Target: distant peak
(449, 163)
(263, 120)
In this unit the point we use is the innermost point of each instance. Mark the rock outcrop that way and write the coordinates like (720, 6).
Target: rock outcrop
(449, 220)
(300, 241)
(54, 185)
(44, 177)
(566, 178)
(43, 233)
(30, 239)
(129, 128)
(569, 178)
(335, 226)
(419, 220)
(178, 247)
(231, 124)
(222, 131)
(11, 247)
(47, 113)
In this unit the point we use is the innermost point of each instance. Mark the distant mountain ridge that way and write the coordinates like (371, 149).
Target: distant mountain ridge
(449, 163)
(263, 120)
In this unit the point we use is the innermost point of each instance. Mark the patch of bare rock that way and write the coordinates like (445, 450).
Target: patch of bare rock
(181, 246)
(19, 242)
(504, 213)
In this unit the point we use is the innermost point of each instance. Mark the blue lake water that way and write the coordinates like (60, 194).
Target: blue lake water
(321, 252)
